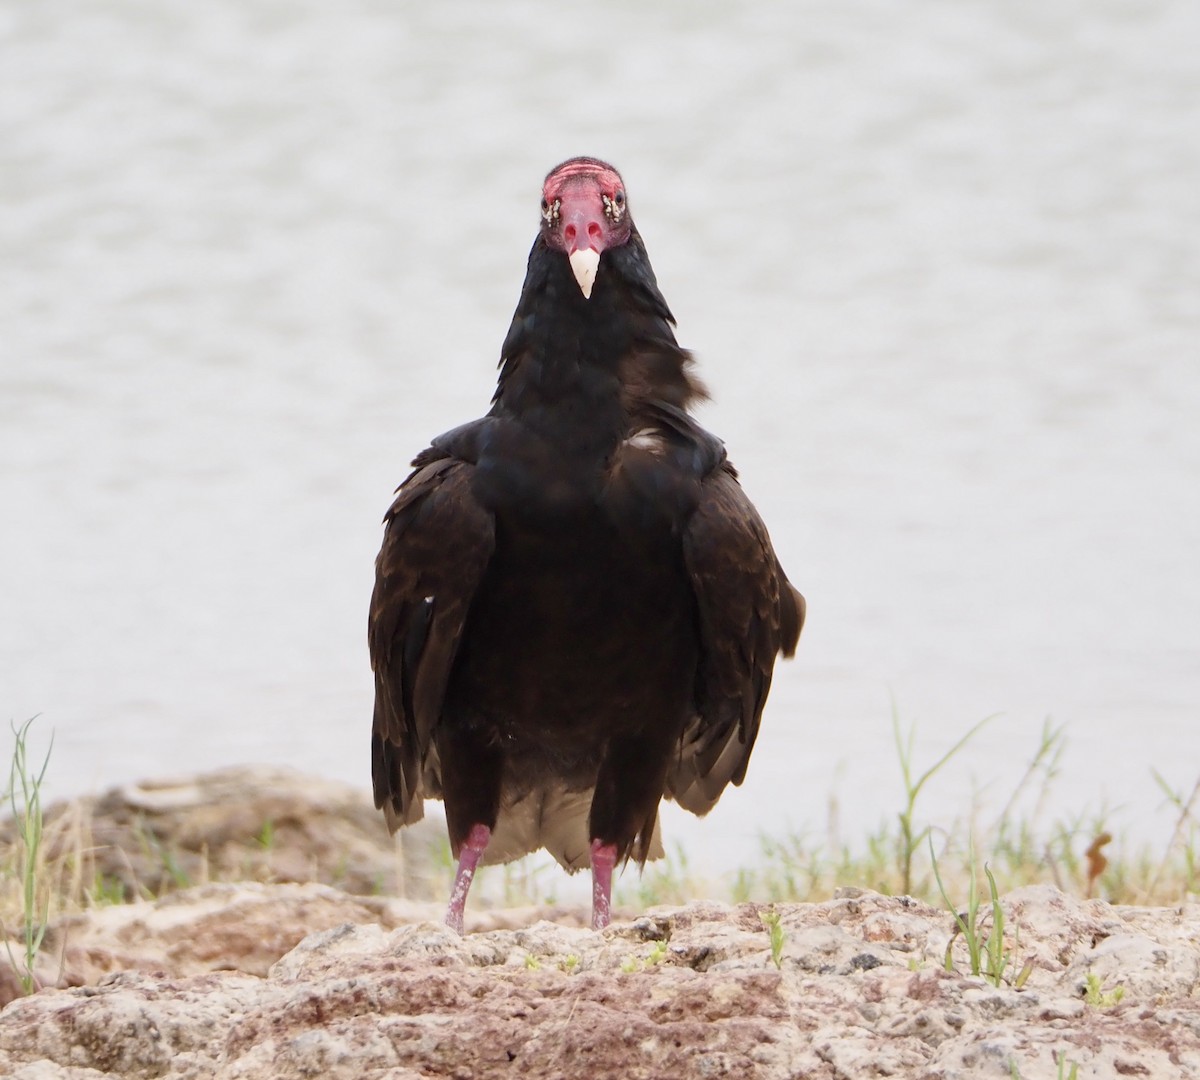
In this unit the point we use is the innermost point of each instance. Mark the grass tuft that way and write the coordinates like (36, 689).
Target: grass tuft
(48, 867)
(25, 799)
(1081, 854)
(986, 951)
(909, 838)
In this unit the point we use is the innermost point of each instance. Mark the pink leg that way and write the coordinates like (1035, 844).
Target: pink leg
(468, 859)
(604, 858)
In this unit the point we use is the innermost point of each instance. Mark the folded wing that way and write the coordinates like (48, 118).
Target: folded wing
(748, 613)
(437, 544)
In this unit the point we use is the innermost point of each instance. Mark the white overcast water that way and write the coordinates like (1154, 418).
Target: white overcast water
(939, 263)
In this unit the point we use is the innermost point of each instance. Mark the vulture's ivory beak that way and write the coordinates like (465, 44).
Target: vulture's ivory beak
(584, 262)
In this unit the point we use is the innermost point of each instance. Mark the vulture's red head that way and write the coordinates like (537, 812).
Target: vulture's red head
(584, 213)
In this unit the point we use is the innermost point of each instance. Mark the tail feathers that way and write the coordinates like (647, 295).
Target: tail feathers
(555, 819)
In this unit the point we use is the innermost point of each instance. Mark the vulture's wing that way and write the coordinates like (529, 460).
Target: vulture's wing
(436, 546)
(748, 613)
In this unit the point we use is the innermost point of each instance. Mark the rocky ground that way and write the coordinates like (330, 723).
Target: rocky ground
(282, 980)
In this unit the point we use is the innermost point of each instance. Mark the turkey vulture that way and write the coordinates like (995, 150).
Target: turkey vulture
(576, 608)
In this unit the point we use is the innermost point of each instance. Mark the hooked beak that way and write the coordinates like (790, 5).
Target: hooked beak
(584, 236)
(584, 262)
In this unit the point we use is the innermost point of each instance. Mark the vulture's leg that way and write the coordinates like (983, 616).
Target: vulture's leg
(604, 858)
(471, 771)
(624, 809)
(468, 859)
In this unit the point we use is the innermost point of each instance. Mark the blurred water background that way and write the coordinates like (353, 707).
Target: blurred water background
(940, 264)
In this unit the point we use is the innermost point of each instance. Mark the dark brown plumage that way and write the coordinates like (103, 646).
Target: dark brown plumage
(577, 610)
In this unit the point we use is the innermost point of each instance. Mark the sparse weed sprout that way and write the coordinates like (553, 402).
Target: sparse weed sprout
(771, 921)
(1014, 1070)
(1095, 994)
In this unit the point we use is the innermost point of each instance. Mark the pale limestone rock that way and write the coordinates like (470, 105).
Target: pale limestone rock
(226, 985)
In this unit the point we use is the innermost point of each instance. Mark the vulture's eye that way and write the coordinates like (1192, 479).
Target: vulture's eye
(619, 197)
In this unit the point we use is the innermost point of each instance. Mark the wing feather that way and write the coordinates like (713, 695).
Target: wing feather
(436, 546)
(749, 613)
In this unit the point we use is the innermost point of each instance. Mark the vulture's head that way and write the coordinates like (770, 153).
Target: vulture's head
(584, 213)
